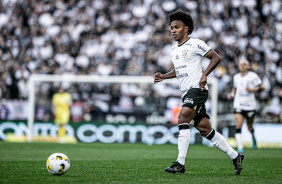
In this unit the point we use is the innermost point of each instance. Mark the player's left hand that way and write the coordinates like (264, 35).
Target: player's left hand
(249, 90)
(158, 77)
(203, 82)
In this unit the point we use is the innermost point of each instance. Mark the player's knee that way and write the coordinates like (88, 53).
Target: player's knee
(185, 117)
(204, 132)
(204, 126)
(182, 120)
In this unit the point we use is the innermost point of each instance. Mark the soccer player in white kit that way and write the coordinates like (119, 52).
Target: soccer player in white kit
(187, 60)
(245, 84)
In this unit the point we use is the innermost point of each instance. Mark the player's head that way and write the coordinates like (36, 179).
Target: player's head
(61, 89)
(182, 21)
(244, 65)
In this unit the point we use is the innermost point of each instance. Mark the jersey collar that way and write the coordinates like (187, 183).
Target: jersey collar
(184, 42)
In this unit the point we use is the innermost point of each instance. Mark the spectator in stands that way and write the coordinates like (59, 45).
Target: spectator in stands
(4, 111)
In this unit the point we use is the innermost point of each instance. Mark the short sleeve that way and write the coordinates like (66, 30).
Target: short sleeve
(235, 81)
(257, 81)
(202, 48)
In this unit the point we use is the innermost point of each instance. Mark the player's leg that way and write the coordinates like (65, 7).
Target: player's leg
(185, 116)
(62, 120)
(238, 135)
(202, 124)
(216, 138)
(250, 122)
(192, 103)
(62, 131)
(58, 121)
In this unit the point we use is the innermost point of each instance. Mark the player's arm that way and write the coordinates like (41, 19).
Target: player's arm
(54, 105)
(232, 94)
(69, 99)
(53, 108)
(215, 59)
(158, 77)
(258, 89)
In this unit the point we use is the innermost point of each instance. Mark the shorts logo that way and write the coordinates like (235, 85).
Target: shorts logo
(250, 114)
(189, 100)
(238, 110)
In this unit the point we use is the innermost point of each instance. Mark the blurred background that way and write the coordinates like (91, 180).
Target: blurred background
(132, 38)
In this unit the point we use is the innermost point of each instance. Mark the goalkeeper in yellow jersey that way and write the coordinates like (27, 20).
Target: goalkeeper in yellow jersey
(61, 109)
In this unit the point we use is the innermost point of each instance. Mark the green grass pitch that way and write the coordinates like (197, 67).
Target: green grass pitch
(134, 163)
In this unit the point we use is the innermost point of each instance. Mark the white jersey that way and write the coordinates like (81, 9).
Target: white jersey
(243, 99)
(187, 61)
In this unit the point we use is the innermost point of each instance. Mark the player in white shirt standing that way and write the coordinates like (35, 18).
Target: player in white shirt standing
(187, 59)
(245, 84)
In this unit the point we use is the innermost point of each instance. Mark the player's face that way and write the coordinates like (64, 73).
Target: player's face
(179, 31)
(243, 67)
(61, 90)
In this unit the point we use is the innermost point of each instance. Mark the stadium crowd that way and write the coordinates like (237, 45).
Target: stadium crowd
(132, 37)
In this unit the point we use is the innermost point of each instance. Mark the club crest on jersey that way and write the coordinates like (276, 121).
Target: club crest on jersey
(184, 53)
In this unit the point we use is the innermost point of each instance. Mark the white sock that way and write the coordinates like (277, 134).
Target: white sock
(219, 141)
(238, 137)
(183, 144)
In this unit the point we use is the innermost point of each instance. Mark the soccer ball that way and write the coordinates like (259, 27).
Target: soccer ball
(58, 164)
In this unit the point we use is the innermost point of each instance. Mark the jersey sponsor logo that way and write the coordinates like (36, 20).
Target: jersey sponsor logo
(179, 67)
(244, 104)
(203, 49)
(182, 75)
(244, 94)
(185, 53)
(176, 57)
(189, 100)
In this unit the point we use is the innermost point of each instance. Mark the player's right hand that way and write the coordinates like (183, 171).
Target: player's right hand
(158, 77)
(229, 96)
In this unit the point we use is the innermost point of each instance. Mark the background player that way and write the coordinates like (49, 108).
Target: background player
(61, 109)
(187, 59)
(245, 84)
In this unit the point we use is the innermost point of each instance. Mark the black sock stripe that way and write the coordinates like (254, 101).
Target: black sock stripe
(181, 127)
(238, 130)
(210, 136)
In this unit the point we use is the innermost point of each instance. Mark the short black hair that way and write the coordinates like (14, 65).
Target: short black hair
(184, 17)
